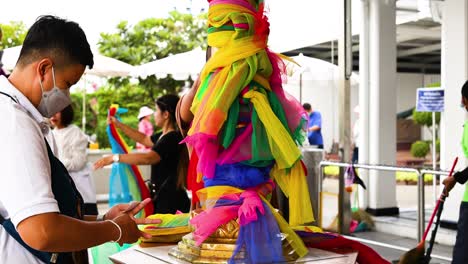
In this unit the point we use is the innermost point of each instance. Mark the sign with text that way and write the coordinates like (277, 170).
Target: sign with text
(430, 99)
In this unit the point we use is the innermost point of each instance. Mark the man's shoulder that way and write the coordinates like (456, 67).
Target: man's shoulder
(14, 118)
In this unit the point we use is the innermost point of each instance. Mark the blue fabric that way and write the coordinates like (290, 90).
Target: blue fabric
(260, 241)
(315, 137)
(238, 175)
(119, 191)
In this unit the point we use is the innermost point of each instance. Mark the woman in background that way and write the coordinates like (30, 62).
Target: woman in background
(168, 158)
(145, 126)
(72, 146)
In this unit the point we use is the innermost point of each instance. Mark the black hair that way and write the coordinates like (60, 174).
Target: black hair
(208, 53)
(307, 106)
(168, 103)
(464, 90)
(62, 41)
(67, 115)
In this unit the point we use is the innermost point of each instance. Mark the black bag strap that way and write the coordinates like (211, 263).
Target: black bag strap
(11, 97)
(11, 230)
(43, 256)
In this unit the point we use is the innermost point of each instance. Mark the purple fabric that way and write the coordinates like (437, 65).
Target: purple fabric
(260, 241)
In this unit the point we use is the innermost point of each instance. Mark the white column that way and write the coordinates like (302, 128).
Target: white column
(364, 101)
(454, 73)
(382, 105)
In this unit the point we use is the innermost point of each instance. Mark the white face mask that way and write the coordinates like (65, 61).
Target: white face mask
(53, 101)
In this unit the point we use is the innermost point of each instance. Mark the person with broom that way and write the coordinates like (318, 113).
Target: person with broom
(460, 250)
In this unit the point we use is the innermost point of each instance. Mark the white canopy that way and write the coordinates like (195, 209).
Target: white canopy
(180, 65)
(314, 69)
(103, 66)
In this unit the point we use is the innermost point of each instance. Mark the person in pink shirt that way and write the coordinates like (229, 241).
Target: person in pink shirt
(145, 126)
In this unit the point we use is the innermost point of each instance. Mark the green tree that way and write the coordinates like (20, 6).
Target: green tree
(425, 118)
(13, 34)
(131, 97)
(142, 43)
(151, 39)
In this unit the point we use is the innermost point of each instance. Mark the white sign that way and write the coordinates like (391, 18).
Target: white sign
(430, 99)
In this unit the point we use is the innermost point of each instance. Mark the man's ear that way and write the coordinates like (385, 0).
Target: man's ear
(43, 66)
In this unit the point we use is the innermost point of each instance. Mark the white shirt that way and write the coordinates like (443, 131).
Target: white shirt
(72, 145)
(25, 177)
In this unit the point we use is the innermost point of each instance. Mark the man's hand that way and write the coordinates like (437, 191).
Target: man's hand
(131, 209)
(130, 232)
(124, 216)
(449, 182)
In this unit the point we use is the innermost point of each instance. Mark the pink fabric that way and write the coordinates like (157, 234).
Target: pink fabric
(240, 148)
(242, 3)
(209, 220)
(248, 210)
(242, 25)
(146, 128)
(206, 147)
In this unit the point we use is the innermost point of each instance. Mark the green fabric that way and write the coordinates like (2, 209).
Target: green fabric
(204, 86)
(465, 196)
(277, 108)
(464, 144)
(261, 154)
(102, 252)
(300, 135)
(229, 131)
(221, 28)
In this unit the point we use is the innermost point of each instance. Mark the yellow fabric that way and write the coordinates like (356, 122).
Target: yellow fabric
(209, 195)
(294, 185)
(282, 146)
(235, 64)
(310, 229)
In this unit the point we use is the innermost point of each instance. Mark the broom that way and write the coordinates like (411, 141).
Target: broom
(416, 255)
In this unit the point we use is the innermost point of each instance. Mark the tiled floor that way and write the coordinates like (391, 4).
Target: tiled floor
(393, 254)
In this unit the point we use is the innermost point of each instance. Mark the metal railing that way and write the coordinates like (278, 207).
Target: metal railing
(434, 172)
(344, 205)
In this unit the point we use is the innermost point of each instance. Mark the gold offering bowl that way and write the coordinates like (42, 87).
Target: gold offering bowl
(218, 247)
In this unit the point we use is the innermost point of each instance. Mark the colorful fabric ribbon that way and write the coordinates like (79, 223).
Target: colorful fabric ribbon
(126, 181)
(244, 125)
(260, 224)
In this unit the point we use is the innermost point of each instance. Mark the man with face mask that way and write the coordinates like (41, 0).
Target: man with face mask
(460, 250)
(40, 208)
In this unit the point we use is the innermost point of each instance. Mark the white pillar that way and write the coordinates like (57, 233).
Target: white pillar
(364, 101)
(454, 73)
(382, 105)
